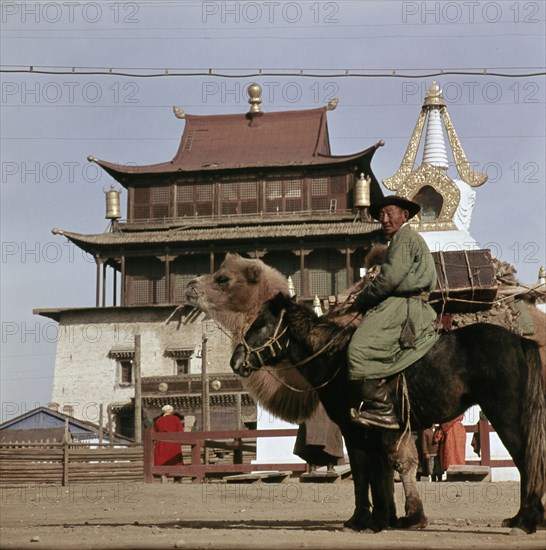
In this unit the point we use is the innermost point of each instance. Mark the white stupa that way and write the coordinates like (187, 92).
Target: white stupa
(446, 203)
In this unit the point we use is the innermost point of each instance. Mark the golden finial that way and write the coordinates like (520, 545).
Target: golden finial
(178, 112)
(255, 98)
(332, 104)
(434, 97)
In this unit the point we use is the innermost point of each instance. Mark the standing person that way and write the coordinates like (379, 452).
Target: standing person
(319, 441)
(398, 328)
(428, 448)
(452, 439)
(165, 452)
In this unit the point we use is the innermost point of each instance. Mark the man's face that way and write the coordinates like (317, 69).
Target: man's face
(392, 218)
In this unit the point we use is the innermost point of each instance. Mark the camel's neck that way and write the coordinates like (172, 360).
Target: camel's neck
(319, 348)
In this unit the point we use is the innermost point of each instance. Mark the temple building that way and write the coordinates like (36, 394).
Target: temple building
(265, 185)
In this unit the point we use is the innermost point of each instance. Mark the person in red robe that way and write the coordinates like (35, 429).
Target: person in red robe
(165, 452)
(452, 439)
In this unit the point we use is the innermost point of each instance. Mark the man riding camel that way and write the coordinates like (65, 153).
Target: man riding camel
(398, 327)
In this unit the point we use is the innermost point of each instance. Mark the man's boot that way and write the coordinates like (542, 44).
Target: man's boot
(376, 408)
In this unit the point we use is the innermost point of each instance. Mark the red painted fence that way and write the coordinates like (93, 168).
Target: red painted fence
(233, 440)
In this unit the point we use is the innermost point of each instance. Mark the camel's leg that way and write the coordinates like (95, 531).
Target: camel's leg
(404, 458)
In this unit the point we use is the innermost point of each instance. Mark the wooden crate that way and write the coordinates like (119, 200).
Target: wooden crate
(466, 281)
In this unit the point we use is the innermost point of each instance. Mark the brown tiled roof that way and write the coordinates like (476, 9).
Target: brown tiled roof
(217, 234)
(222, 142)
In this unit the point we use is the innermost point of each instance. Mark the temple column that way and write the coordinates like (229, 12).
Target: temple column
(304, 274)
(123, 299)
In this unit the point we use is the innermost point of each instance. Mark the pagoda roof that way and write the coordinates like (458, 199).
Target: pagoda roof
(226, 234)
(239, 141)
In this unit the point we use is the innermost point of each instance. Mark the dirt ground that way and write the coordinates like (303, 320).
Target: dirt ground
(249, 516)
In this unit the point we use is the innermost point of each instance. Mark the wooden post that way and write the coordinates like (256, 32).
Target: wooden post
(148, 455)
(110, 424)
(97, 283)
(115, 287)
(66, 455)
(123, 297)
(138, 391)
(104, 284)
(485, 448)
(205, 409)
(100, 424)
(239, 419)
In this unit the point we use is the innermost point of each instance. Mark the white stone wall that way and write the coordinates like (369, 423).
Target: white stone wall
(85, 373)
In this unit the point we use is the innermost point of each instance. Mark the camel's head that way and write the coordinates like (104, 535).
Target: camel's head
(236, 293)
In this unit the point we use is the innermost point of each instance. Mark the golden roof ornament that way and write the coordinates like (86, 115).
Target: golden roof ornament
(332, 104)
(254, 98)
(433, 96)
(178, 112)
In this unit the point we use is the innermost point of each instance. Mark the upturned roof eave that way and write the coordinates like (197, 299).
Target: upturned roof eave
(121, 172)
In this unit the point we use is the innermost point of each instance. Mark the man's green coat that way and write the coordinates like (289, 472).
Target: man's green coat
(408, 270)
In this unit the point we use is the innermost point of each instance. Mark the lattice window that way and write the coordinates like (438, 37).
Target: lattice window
(292, 188)
(319, 186)
(248, 190)
(185, 193)
(186, 268)
(195, 200)
(160, 195)
(320, 203)
(327, 273)
(284, 196)
(203, 192)
(338, 185)
(273, 190)
(146, 281)
(228, 191)
(139, 290)
(229, 208)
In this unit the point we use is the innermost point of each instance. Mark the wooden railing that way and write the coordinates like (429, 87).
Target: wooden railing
(483, 428)
(199, 442)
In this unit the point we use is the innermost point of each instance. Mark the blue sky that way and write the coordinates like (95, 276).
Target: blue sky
(308, 52)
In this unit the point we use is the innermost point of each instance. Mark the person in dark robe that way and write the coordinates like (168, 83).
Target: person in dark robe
(319, 441)
(165, 452)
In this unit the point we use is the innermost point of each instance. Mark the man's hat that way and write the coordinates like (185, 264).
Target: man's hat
(412, 207)
(167, 409)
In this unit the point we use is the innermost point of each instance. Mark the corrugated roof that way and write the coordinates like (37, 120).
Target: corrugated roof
(222, 142)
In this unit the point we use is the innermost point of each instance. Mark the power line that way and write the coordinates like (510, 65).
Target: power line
(149, 72)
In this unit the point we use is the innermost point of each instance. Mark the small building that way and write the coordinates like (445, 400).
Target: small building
(45, 425)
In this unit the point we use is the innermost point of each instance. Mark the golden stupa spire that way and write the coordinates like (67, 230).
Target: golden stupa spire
(434, 108)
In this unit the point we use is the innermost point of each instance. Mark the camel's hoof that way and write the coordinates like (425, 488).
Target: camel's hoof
(412, 522)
